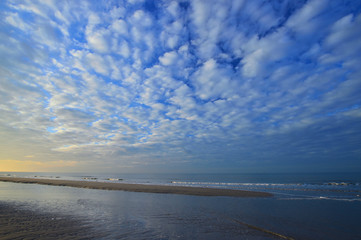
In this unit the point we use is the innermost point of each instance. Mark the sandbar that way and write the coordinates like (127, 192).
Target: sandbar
(196, 191)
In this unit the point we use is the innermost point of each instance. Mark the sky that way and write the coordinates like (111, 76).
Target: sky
(180, 86)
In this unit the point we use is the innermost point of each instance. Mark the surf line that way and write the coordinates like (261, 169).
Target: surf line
(262, 230)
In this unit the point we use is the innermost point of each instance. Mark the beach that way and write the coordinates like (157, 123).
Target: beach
(195, 191)
(17, 223)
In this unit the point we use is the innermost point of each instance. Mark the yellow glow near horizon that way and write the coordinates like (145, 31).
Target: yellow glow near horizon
(33, 166)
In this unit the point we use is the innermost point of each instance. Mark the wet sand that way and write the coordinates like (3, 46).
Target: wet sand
(197, 191)
(17, 223)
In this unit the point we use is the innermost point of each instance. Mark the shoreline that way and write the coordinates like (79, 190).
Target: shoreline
(195, 191)
(18, 223)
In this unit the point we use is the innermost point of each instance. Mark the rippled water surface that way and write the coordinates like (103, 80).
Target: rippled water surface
(315, 208)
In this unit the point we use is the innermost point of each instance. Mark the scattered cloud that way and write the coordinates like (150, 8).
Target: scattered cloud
(180, 84)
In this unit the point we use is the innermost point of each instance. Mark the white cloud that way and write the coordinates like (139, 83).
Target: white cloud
(344, 37)
(124, 49)
(168, 58)
(73, 115)
(97, 41)
(93, 20)
(14, 20)
(59, 15)
(120, 27)
(213, 81)
(209, 21)
(141, 18)
(31, 7)
(262, 53)
(135, 1)
(173, 9)
(117, 12)
(98, 63)
(304, 21)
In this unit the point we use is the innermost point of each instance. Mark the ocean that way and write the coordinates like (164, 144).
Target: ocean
(304, 206)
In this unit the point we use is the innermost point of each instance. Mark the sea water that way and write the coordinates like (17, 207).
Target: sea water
(304, 206)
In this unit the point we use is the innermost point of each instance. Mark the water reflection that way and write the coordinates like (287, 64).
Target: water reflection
(129, 215)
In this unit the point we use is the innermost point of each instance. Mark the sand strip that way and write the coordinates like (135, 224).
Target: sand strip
(197, 191)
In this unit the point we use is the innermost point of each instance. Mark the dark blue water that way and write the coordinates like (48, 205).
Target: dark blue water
(305, 206)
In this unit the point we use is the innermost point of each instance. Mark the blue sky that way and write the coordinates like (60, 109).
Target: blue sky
(187, 86)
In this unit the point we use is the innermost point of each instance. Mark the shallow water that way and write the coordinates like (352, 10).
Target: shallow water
(128, 215)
